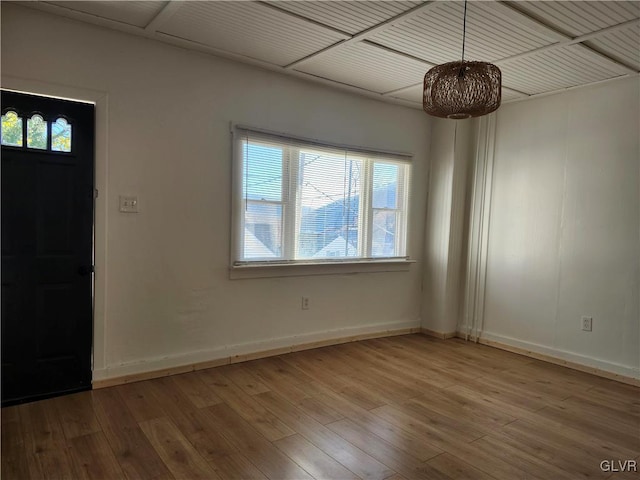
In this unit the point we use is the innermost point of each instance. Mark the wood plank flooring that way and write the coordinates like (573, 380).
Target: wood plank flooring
(397, 408)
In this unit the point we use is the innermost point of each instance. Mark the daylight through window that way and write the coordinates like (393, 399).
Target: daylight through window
(11, 129)
(37, 132)
(298, 201)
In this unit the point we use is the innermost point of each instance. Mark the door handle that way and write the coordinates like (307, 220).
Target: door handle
(85, 270)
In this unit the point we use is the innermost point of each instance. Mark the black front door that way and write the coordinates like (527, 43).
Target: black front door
(47, 246)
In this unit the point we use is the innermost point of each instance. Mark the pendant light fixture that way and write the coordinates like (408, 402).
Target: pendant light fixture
(463, 89)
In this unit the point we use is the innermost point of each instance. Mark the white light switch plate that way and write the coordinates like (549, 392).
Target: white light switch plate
(128, 204)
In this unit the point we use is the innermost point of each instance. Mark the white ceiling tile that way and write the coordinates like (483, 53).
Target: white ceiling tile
(281, 32)
(366, 66)
(508, 95)
(623, 45)
(413, 94)
(249, 29)
(138, 14)
(579, 18)
(436, 34)
(347, 16)
(556, 69)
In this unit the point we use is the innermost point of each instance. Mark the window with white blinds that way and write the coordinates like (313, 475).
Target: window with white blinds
(298, 201)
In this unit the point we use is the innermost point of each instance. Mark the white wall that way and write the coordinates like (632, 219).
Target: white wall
(163, 296)
(563, 235)
(564, 227)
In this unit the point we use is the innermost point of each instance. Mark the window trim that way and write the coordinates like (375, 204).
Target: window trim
(331, 267)
(285, 267)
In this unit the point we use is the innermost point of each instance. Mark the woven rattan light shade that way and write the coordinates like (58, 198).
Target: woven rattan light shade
(460, 90)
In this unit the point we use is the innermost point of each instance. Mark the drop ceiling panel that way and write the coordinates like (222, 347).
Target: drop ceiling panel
(508, 95)
(413, 94)
(579, 18)
(556, 69)
(366, 66)
(623, 45)
(282, 32)
(492, 33)
(347, 16)
(249, 29)
(138, 14)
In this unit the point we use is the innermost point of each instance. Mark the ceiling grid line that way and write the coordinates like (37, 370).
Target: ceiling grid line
(575, 87)
(305, 19)
(572, 41)
(164, 15)
(376, 48)
(370, 31)
(623, 45)
(398, 52)
(563, 37)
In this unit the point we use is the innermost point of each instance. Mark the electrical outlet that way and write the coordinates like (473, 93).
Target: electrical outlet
(305, 303)
(587, 323)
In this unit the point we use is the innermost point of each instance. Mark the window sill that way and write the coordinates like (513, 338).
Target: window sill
(262, 270)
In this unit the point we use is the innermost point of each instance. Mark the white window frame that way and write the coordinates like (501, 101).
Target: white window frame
(291, 218)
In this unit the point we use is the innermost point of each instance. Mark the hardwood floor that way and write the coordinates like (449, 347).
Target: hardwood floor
(407, 407)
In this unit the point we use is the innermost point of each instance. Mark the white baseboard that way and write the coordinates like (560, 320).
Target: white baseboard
(437, 334)
(602, 368)
(187, 362)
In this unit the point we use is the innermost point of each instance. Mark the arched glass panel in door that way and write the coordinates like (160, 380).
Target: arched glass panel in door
(11, 129)
(37, 132)
(61, 136)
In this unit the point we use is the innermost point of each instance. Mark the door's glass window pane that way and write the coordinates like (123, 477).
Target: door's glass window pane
(385, 185)
(11, 129)
(37, 132)
(262, 230)
(61, 136)
(383, 242)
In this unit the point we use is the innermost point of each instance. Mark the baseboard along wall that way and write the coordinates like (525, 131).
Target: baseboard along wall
(556, 360)
(244, 357)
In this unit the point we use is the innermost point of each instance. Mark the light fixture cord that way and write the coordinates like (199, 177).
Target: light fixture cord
(464, 28)
(464, 37)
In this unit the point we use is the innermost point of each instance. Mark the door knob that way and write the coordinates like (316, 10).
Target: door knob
(85, 269)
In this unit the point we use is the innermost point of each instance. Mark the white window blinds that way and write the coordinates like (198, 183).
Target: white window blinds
(301, 201)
